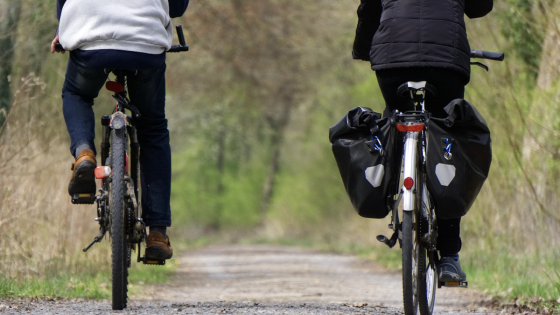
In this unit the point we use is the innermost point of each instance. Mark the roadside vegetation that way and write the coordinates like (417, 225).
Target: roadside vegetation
(249, 109)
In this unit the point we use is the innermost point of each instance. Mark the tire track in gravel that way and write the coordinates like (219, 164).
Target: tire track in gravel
(280, 274)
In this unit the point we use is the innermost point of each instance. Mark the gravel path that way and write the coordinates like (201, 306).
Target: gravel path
(265, 279)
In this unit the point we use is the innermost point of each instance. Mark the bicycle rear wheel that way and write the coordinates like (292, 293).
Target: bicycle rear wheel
(413, 258)
(119, 242)
(427, 280)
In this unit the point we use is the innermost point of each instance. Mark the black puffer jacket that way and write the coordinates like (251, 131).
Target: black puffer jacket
(416, 33)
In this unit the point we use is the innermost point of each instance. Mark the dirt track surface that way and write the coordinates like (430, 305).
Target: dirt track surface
(265, 279)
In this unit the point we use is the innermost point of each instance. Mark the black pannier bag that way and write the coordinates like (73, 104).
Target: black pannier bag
(362, 143)
(458, 158)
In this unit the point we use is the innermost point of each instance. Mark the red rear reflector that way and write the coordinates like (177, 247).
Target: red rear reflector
(114, 86)
(102, 172)
(408, 183)
(413, 128)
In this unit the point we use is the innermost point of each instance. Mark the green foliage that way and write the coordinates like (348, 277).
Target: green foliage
(208, 199)
(82, 286)
(523, 27)
(514, 275)
(218, 175)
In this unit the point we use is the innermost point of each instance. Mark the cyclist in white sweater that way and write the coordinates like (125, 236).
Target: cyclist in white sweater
(102, 35)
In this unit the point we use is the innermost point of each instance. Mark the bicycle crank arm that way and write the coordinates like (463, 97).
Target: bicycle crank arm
(453, 284)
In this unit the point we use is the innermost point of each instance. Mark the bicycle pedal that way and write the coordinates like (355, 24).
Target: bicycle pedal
(454, 284)
(148, 261)
(83, 199)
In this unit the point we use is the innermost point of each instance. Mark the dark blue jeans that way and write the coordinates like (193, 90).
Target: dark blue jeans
(147, 92)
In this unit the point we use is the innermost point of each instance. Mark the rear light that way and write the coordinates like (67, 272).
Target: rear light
(412, 128)
(102, 172)
(114, 86)
(408, 183)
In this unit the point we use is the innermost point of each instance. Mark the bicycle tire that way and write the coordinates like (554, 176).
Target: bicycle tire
(409, 264)
(119, 243)
(427, 281)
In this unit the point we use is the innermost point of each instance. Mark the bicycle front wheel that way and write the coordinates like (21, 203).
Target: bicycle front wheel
(119, 243)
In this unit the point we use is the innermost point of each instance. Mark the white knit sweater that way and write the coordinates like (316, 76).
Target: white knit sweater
(131, 25)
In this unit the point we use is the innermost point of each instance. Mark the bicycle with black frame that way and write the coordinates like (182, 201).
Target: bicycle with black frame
(118, 207)
(413, 215)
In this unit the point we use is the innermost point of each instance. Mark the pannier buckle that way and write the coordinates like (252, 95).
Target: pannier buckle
(375, 145)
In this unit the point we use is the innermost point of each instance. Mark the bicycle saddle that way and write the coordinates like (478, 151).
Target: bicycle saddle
(404, 89)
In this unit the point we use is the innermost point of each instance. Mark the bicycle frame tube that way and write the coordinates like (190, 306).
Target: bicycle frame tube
(410, 171)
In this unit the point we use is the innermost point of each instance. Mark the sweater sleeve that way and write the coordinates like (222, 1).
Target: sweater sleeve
(59, 5)
(369, 16)
(478, 8)
(177, 7)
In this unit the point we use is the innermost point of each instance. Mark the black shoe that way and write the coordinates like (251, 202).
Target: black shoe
(449, 270)
(83, 174)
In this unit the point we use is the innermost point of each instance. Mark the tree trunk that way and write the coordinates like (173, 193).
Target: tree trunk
(540, 146)
(549, 68)
(277, 139)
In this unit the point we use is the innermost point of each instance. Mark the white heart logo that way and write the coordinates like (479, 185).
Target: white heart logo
(374, 174)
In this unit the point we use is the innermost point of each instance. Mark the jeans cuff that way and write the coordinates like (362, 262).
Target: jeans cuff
(166, 223)
(77, 144)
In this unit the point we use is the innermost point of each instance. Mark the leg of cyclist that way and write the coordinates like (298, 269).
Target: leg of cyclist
(81, 86)
(147, 93)
(449, 245)
(450, 85)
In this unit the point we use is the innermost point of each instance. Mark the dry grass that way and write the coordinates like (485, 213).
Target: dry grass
(41, 232)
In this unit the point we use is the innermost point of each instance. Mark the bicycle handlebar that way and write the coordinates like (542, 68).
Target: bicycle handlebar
(182, 45)
(499, 56)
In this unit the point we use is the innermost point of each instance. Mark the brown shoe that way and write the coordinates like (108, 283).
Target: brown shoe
(158, 247)
(83, 175)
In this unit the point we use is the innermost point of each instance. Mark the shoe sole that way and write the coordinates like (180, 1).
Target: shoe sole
(157, 253)
(83, 181)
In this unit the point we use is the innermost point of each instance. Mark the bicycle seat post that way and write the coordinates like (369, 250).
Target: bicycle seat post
(417, 92)
(418, 97)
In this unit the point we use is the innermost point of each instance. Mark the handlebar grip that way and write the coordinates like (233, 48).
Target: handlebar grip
(499, 56)
(58, 47)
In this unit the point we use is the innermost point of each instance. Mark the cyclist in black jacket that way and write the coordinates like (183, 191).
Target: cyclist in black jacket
(421, 40)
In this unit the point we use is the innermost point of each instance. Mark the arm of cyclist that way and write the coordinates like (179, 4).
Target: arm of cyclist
(369, 15)
(478, 8)
(59, 5)
(177, 7)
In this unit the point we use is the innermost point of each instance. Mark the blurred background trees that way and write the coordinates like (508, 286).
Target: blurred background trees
(249, 109)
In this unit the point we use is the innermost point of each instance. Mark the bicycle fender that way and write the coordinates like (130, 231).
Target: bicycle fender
(118, 121)
(409, 169)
